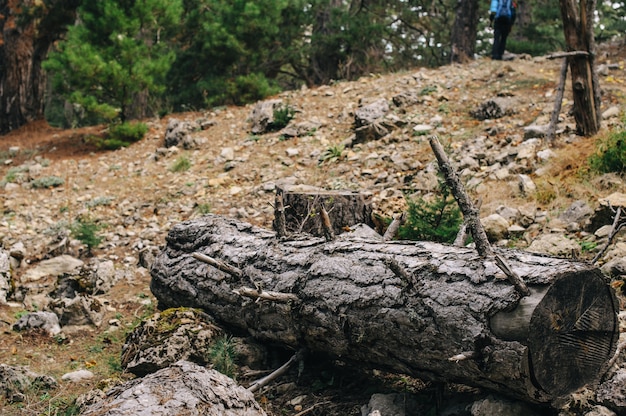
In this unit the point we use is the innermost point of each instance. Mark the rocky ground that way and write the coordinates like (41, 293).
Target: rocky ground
(213, 162)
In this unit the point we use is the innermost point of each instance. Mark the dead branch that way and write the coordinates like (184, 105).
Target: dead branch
(262, 382)
(220, 265)
(265, 295)
(394, 227)
(557, 102)
(470, 212)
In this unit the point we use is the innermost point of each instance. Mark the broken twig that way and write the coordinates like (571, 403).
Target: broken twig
(218, 264)
(614, 230)
(265, 294)
(262, 382)
(394, 227)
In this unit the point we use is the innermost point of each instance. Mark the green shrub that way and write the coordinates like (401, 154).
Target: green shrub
(437, 219)
(123, 135)
(610, 154)
(47, 182)
(282, 116)
(182, 164)
(86, 230)
(222, 355)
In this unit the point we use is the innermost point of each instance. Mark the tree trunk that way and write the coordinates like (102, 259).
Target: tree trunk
(463, 35)
(578, 28)
(419, 308)
(27, 32)
(325, 44)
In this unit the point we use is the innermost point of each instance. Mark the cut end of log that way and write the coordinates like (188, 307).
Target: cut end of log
(573, 333)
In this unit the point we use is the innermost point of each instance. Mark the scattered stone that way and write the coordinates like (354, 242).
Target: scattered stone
(495, 406)
(81, 310)
(262, 115)
(47, 321)
(6, 278)
(555, 244)
(494, 108)
(495, 226)
(16, 381)
(77, 376)
(396, 404)
(183, 388)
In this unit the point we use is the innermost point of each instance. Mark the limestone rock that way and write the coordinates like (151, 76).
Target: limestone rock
(46, 321)
(183, 388)
(167, 337)
(556, 244)
(14, 381)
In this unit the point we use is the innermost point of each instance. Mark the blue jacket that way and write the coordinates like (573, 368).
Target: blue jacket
(502, 8)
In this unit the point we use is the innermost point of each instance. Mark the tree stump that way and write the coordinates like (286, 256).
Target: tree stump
(424, 309)
(303, 207)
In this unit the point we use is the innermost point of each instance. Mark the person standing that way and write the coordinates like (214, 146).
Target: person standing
(502, 17)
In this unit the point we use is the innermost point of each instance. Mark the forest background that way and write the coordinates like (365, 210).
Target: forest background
(80, 63)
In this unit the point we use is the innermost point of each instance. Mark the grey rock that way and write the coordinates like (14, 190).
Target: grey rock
(555, 244)
(177, 134)
(534, 131)
(81, 310)
(612, 393)
(493, 406)
(496, 227)
(6, 278)
(262, 115)
(77, 376)
(184, 388)
(167, 337)
(578, 212)
(526, 185)
(598, 410)
(46, 321)
(15, 381)
(395, 404)
(371, 113)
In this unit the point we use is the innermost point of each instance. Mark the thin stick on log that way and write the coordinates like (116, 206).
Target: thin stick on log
(461, 236)
(470, 212)
(329, 234)
(554, 119)
(512, 276)
(262, 382)
(265, 294)
(399, 271)
(220, 265)
(394, 227)
(279, 216)
(614, 230)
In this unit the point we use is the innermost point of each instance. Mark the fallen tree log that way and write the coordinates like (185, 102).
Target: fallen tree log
(428, 310)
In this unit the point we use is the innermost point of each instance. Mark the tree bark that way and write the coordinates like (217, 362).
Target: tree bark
(463, 37)
(419, 308)
(27, 32)
(578, 28)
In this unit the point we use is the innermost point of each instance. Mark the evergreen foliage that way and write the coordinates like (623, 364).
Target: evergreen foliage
(437, 219)
(86, 230)
(124, 60)
(115, 53)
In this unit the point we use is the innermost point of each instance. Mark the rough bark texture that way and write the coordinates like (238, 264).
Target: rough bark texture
(578, 28)
(27, 32)
(418, 308)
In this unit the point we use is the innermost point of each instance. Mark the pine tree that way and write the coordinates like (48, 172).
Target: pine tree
(115, 56)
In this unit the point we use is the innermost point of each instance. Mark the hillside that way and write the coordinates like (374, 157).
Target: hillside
(136, 194)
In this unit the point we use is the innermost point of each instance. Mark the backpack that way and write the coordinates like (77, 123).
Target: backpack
(506, 9)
